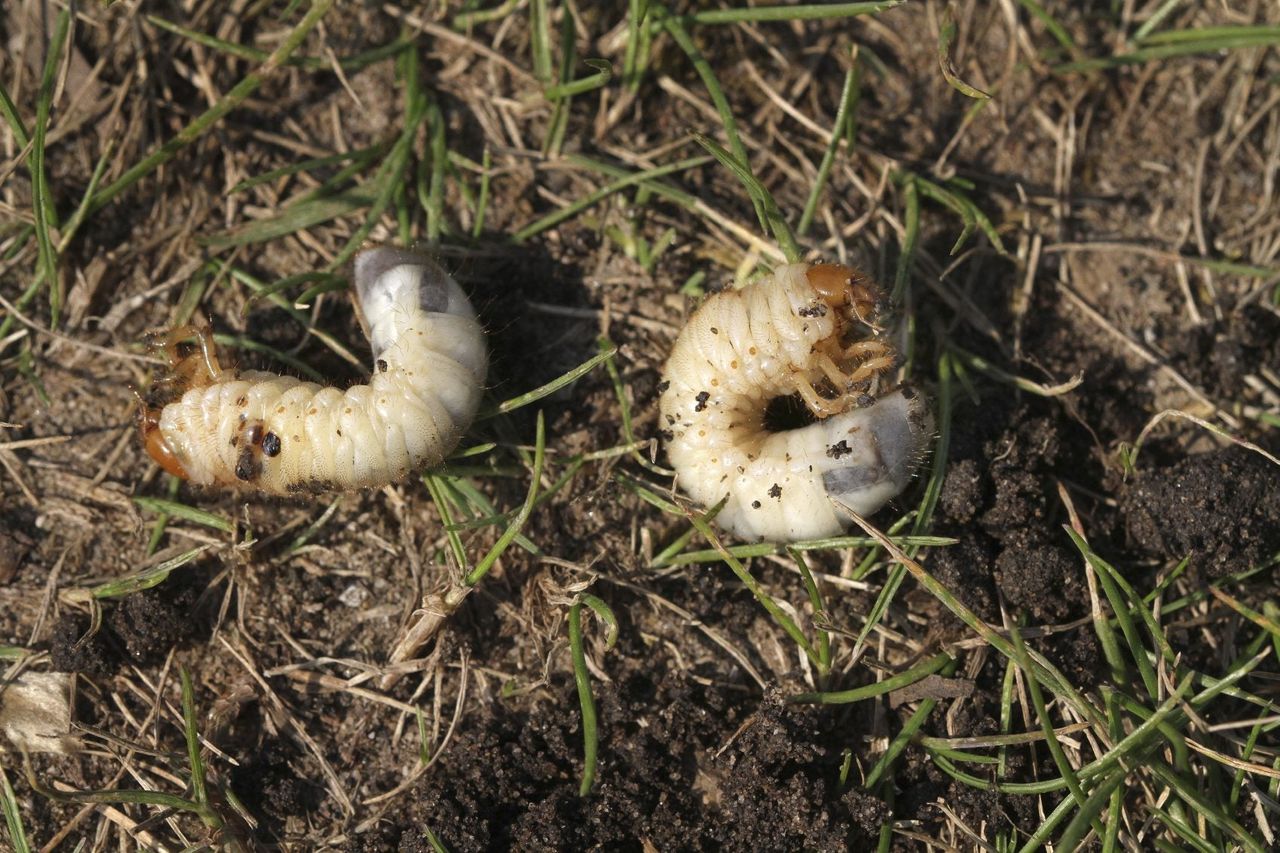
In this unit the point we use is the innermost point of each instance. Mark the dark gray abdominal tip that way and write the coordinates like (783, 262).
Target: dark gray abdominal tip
(842, 481)
(895, 442)
(433, 290)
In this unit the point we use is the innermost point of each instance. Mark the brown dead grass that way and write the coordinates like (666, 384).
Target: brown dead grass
(1108, 190)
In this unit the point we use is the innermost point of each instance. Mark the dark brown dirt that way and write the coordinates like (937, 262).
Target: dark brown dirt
(699, 749)
(1219, 509)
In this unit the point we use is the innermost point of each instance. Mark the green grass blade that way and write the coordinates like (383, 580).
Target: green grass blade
(9, 110)
(147, 578)
(253, 54)
(517, 524)
(1059, 33)
(1121, 608)
(540, 40)
(771, 218)
(298, 216)
(1065, 770)
(910, 239)
(636, 54)
(604, 73)
(215, 113)
(363, 156)
(780, 616)
(12, 817)
(46, 217)
(82, 210)
(631, 179)
(436, 489)
(199, 791)
(924, 515)
(466, 20)
(186, 513)
(1189, 792)
(844, 127)
(802, 12)
(559, 123)
(765, 549)
(1155, 19)
(482, 198)
(680, 35)
(1177, 43)
(946, 36)
(903, 679)
(553, 386)
(294, 363)
(908, 733)
(582, 677)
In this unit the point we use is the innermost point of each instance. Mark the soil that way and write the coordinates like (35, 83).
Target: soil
(699, 746)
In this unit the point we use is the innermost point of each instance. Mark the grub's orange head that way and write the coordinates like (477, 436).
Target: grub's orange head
(153, 439)
(842, 286)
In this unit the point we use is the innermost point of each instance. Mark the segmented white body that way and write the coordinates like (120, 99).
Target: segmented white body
(741, 350)
(280, 434)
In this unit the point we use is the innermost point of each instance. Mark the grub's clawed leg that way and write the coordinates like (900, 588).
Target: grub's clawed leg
(816, 403)
(822, 407)
(865, 361)
(873, 358)
(199, 368)
(839, 379)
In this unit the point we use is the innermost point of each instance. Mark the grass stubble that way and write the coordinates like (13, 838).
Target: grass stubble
(1160, 752)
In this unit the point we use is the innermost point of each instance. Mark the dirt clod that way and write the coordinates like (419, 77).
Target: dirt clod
(1220, 508)
(73, 651)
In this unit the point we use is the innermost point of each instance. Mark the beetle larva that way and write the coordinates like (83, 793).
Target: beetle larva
(278, 434)
(802, 329)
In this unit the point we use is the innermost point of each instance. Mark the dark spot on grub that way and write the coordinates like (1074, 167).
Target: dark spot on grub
(702, 398)
(840, 448)
(755, 504)
(246, 467)
(271, 444)
(382, 365)
(775, 491)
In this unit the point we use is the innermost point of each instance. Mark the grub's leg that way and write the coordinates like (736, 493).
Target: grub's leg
(838, 377)
(872, 368)
(866, 349)
(819, 405)
(863, 301)
(874, 357)
(200, 369)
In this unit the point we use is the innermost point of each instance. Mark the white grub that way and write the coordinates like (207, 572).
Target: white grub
(802, 331)
(280, 435)
(35, 713)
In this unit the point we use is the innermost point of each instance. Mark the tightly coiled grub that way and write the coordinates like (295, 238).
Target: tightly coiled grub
(806, 331)
(214, 425)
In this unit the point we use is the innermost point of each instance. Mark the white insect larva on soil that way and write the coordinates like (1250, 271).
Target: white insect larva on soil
(807, 332)
(277, 434)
